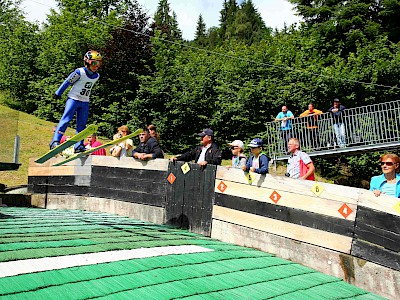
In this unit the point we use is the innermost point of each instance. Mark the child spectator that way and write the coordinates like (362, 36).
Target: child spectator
(238, 158)
(258, 161)
(92, 142)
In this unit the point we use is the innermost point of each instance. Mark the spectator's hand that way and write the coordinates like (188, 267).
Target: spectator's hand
(252, 169)
(244, 168)
(203, 163)
(173, 159)
(377, 193)
(56, 97)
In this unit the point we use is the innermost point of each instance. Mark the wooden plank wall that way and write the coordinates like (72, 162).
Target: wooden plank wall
(190, 197)
(377, 230)
(344, 219)
(123, 179)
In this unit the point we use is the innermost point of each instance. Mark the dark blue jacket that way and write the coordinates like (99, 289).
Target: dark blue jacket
(263, 160)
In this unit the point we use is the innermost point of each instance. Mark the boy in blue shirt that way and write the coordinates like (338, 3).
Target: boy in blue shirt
(258, 161)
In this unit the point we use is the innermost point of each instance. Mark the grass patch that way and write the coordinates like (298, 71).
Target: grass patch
(35, 136)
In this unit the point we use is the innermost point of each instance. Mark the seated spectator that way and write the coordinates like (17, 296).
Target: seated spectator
(118, 150)
(238, 158)
(63, 138)
(153, 132)
(258, 161)
(148, 147)
(207, 153)
(387, 183)
(92, 142)
(300, 164)
(70, 150)
(128, 144)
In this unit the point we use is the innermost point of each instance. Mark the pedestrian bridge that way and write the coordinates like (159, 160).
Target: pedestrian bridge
(366, 128)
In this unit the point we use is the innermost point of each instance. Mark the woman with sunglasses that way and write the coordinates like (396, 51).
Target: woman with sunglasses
(389, 182)
(82, 81)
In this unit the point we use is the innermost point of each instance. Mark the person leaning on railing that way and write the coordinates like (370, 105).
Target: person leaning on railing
(337, 111)
(312, 125)
(285, 117)
(389, 182)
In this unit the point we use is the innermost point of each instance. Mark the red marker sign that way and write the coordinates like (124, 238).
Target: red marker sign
(345, 210)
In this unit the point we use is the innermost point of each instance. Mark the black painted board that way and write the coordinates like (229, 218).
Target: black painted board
(130, 184)
(174, 210)
(287, 214)
(127, 196)
(191, 194)
(68, 190)
(58, 180)
(37, 180)
(37, 189)
(376, 254)
(208, 199)
(143, 174)
(378, 219)
(378, 236)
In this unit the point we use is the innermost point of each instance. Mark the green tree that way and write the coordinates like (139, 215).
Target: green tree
(248, 25)
(166, 21)
(227, 17)
(200, 37)
(65, 38)
(128, 54)
(18, 41)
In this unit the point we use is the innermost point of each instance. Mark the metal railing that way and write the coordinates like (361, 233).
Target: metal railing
(371, 127)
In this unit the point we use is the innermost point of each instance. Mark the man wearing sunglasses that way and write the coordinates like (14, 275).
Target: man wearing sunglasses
(82, 81)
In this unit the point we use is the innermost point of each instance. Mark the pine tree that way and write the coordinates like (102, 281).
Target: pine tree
(166, 22)
(200, 37)
(227, 18)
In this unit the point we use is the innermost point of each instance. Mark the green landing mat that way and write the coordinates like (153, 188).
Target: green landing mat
(227, 272)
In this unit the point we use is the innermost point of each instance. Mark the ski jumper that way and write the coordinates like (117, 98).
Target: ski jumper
(82, 81)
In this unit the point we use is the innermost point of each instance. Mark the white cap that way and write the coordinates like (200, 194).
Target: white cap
(237, 143)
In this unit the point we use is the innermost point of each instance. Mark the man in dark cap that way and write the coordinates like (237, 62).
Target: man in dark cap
(337, 112)
(206, 153)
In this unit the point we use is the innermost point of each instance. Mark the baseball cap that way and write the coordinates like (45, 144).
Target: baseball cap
(256, 143)
(336, 100)
(237, 143)
(206, 131)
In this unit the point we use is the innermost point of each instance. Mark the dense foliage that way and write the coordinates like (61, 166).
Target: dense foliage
(233, 77)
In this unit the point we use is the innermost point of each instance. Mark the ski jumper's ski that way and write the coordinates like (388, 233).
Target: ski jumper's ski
(89, 151)
(74, 139)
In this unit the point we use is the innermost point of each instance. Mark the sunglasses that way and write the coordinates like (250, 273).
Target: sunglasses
(388, 163)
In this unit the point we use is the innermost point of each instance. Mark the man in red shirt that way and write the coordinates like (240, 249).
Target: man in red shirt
(92, 142)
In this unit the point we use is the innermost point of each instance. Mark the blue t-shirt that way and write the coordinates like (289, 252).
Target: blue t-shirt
(389, 189)
(285, 125)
